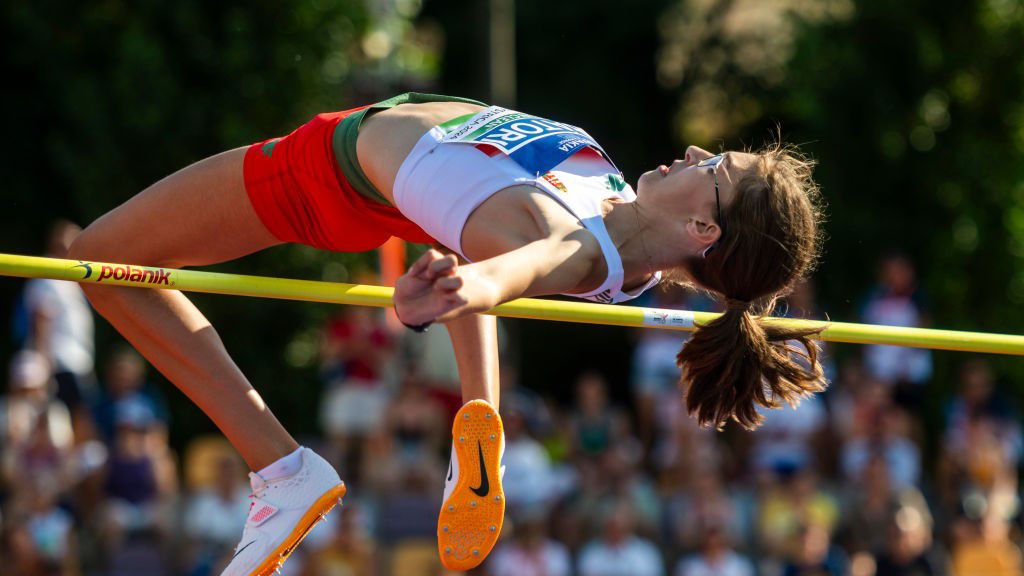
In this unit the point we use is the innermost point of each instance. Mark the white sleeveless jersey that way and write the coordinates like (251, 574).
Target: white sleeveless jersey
(451, 172)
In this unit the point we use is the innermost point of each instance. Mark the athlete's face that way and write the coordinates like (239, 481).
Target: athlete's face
(686, 189)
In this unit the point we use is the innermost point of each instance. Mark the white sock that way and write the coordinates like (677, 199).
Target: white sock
(283, 468)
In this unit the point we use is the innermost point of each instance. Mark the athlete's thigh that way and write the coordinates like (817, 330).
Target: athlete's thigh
(199, 215)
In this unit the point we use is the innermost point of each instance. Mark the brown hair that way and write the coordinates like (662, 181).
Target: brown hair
(770, 241)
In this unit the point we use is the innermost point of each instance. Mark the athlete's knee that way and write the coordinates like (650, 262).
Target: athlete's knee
(100, 242)
(95, 244)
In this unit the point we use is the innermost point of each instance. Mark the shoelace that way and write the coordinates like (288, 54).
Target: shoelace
(258, 488)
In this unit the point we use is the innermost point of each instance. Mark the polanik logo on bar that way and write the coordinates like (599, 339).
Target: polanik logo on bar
(127, 273)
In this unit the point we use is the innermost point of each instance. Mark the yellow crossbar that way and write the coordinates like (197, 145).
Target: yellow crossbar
(538, 309)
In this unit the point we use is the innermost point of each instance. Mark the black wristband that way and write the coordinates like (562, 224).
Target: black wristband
(417, 327)
(414, 327)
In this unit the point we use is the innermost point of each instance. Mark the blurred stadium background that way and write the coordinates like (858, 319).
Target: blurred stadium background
(908, 465)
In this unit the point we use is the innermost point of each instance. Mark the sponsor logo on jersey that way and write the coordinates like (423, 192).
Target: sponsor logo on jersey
(517, 133)
(536, 144)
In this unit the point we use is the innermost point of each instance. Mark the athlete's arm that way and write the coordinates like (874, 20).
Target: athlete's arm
(437, 288)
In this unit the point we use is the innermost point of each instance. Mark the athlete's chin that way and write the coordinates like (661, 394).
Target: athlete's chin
(646, 177)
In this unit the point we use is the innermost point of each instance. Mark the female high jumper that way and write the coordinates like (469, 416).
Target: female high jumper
(521, 206)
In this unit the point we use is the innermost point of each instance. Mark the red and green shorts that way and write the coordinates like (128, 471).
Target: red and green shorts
(308, 188)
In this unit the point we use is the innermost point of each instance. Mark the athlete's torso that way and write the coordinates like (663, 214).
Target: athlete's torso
(526, 213)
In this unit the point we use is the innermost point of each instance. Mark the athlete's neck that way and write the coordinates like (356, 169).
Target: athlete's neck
(632, 232)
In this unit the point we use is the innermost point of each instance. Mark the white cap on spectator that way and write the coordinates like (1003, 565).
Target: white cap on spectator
(29, 370)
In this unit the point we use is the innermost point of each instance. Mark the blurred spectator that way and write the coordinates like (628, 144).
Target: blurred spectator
(529, 478)
(684, 442)
(787, 438)
(19, 553)
(975, 468)
(715, 557)
(897, 301)
(140, 480)
(50, 528)
(540, 421)
(788, 507)
(596, 424)
(982, 546)
(416, 421)
(977, 400)
(857, 401)
(887, 439)
(871, 505)
(354, 348)
(529, 551)
(815, 555)
(705, 503)
(619, 552)
(35, 430)
(909, 550)
(350, 551)
(624, 482)
(406, 519)
(432, 358)
(61, 323)
(214, 514)
(125, 385)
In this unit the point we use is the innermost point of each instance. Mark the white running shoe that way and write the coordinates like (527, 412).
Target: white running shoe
(282, 512)
(473, 507)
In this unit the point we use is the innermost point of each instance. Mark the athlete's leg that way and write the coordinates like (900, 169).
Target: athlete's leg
(197, 216)
(474, 337)
(475, 341)
(473, 505)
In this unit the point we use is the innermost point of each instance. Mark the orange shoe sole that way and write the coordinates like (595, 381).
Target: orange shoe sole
(470, 520)
(315, 514)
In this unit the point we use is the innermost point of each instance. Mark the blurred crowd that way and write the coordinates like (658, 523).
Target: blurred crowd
(858, 481)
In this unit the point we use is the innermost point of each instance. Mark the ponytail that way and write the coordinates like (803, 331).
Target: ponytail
(738, 361)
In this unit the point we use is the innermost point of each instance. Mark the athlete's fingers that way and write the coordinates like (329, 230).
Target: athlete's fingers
(442, 266)
(423, 262)
(455, 298)
(449, 283)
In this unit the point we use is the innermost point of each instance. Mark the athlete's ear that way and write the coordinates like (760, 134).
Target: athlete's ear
(702, 233)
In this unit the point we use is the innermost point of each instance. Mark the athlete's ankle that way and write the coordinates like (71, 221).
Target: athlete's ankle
(282, 467)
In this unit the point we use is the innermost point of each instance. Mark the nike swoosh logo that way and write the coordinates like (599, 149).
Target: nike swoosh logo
(485, 486)
(449, 471)
(243, 548)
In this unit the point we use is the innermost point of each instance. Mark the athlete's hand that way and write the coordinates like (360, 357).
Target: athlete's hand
(429, 288)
